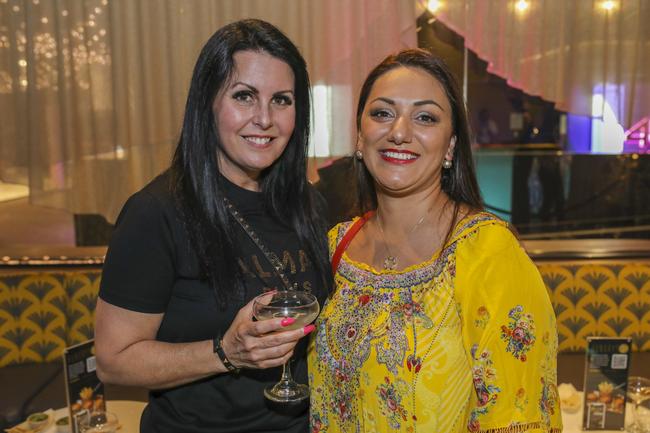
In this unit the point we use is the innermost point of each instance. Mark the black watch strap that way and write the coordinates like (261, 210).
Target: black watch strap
(218, 350)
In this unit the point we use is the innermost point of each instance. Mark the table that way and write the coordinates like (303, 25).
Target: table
(573, 421)
(128, 413)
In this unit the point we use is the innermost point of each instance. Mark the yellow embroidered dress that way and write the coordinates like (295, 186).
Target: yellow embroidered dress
(465, 341)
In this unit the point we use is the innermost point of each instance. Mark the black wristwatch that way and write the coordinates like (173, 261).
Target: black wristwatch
(218, 350)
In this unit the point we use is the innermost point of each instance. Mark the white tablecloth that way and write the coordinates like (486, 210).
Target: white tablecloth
(573, 421)
(129, 412)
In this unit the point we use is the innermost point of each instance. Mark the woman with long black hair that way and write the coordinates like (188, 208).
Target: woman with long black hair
(195, 246)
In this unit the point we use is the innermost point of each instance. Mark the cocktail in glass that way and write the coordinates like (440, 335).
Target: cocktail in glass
(303, 308)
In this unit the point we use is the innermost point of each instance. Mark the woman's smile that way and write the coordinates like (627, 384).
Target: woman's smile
(398, 156)
(258, 141)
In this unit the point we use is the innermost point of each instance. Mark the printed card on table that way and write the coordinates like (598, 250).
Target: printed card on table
(84, 391)
(606, 372)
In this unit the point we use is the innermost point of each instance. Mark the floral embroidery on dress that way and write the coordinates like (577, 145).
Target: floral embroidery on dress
(316, 423)
(364, 367)
(473, 425)
(341, 399)
(549, 397)
(521, 400)
(519, 334)
(484, 376)
(483, 317)
(343, 371)
(391, 350)
(478, 218)
(392, 399)
(548, 400)
(413, 363)
(341, 403)
(414, 310)
(391, 343)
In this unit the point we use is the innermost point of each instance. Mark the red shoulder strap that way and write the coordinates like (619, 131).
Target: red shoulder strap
(347, 238)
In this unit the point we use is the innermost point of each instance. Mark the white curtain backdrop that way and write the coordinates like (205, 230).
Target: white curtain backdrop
(92, 91)
(563, 50)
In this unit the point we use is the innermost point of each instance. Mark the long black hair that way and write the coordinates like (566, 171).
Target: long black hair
(459, 181)
(195, 178)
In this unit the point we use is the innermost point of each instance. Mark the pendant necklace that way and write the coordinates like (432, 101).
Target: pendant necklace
(390, 261)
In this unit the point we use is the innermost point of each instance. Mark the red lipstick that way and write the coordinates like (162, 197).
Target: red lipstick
(398, 156)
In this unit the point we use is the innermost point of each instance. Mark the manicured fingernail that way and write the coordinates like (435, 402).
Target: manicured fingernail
(307, 329)
(287, 321)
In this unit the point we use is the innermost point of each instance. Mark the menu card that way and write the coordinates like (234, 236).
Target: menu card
(606, 371)
(84, 391)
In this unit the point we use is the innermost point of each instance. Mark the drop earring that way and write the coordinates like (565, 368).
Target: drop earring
(358, 154)
(447, 163)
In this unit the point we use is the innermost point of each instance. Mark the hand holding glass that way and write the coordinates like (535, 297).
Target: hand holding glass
(303, 308)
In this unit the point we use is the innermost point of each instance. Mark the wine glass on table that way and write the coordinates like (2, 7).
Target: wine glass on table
(303, 308)
(638, 390)
(99, 422)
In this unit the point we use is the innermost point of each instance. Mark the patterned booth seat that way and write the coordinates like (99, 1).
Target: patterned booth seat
(598, 287)
(607, 299)
(46, 305)
(42, 312)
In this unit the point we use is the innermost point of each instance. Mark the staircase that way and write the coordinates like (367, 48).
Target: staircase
(637, 138)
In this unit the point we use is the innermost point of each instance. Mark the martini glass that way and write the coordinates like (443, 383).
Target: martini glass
(638, 390)
(303, 308)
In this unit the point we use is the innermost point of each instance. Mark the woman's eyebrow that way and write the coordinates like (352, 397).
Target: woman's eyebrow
(251, 88)
(386, 100)
(416, 103)
(427, 102)
(256, 92)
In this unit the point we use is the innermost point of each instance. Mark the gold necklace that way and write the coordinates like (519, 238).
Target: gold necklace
(390, 261)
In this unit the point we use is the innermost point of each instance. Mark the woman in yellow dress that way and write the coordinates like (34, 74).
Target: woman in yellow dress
(440, 322)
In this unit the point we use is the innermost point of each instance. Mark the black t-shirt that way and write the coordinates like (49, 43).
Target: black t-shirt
(151, 268)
